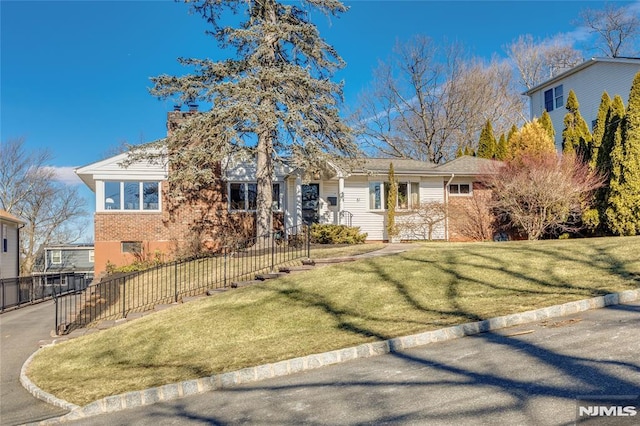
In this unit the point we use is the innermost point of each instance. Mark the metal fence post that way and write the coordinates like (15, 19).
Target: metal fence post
(124, 297)
(308, 235)
(273, 251)
(175, 284)
(55, 302)
(225, 267)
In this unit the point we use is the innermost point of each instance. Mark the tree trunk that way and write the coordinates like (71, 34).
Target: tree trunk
(266, 134)
(264, 177)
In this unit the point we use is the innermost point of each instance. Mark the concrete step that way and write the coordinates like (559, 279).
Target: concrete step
(270, 276)
(238, 284)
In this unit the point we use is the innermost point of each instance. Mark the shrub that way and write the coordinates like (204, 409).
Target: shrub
(336, 234)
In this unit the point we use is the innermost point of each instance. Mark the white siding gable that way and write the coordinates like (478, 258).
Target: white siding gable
(588, 84)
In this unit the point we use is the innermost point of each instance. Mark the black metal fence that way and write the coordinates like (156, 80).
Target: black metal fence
(117, 296)
(20, 291)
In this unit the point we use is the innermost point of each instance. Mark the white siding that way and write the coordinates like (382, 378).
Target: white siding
(588, 84)
(356, 201)
(328, 214)
(431, 190)
(9, 259)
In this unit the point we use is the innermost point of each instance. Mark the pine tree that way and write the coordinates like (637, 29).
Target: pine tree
(576, 137)
(605, 132)
(547, 124)
(276, 95)
(459, 152)
(531, 141)
(512, 132)
(502, 149)
(623, 212)
(469, 151)
(487, 145)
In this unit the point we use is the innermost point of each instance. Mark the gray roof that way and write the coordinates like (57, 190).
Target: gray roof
(400, 165)
(467, 165)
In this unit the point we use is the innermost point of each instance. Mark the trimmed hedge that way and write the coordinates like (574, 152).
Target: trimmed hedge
(336, 234)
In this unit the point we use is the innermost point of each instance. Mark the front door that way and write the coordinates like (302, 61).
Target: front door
(310, 203)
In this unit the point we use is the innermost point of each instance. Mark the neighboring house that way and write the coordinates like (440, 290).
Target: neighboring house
(589, 81)
(132, 219)
(66, 265)
(9, 245)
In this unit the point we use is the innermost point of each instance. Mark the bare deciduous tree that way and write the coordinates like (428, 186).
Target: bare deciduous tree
(422, 221)
(473, 217)
(427, 100)
(28, 189)
(540, 60)
(617, 29)
(543, 194)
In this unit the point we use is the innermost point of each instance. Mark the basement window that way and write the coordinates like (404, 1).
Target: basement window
(134, 247)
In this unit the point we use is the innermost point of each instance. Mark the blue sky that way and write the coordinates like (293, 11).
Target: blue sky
(75, 74)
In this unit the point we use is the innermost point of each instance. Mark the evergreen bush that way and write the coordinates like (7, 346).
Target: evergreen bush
(336, 234)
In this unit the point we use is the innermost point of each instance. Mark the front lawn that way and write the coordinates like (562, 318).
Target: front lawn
(435, 285)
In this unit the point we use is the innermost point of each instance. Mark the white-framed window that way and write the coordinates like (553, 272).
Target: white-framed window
(132, 195)
(554, 98)
(56, 257)
(408, 195)
(92, 256)
(243, 196)
(460, 189)
(5, 238)
(558, 96)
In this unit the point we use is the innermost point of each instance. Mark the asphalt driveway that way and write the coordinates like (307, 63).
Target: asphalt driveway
(20, 333)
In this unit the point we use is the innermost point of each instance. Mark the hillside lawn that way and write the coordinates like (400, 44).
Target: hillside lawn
(431, 286)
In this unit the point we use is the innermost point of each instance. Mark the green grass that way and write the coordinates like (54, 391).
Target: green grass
(432, 286)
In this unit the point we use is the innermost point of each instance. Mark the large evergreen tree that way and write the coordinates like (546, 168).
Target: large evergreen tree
(575, 136)
(487, 145)
(611, 159)
(274, 96)
(623, 212)
(599, 130)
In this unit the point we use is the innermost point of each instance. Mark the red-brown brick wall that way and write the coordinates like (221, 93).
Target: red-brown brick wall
(470, 218)
(200, 224)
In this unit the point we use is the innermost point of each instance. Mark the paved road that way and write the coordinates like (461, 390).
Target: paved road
(526, 375)
(20, 332)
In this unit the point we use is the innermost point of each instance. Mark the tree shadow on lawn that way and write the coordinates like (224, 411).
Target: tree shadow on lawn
(586, 375)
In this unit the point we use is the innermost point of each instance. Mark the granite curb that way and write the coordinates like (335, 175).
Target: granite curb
(282, 368)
